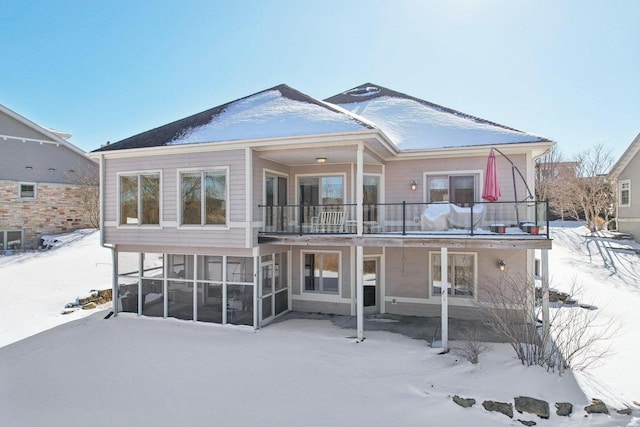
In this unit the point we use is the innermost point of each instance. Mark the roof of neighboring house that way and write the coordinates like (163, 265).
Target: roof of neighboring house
(415, 124)
(410, 123)
(626, 157)
(273, 113)
(49, 135)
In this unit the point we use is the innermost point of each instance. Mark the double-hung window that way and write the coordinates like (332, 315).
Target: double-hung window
(624, 198)
(139, 198)
(203, 197)
(461, 274)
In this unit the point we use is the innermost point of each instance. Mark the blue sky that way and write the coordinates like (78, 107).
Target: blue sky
(106, 70)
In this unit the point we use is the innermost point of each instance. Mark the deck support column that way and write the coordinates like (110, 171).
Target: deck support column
(546, 324)
(444, 290)
(360, 292)
(359, 188)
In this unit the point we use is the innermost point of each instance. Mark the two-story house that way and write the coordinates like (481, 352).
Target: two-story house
(367, 202)
(40, 194)
(625, 173)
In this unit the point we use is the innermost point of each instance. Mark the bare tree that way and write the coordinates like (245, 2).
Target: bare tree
(88, 182)
(590, 197)
(551, 171)
(578, 335)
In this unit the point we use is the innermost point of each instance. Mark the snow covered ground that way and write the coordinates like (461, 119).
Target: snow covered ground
(134, 371)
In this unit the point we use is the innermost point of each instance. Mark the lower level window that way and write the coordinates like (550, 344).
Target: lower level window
(10, 240)
(461, 273)
(322, 272)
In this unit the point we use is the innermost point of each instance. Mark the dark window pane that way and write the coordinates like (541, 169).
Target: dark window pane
(191, 198)
(150, 191)
(282, 301)
(215, 193)
(209, 303)
(180, 296)
(128, 200)
(152, 298)
(240, 304)
(127, 295)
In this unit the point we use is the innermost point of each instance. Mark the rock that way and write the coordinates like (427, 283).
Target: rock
(635, 402)
(465, 403)
(503, 408)
(564, 409)
(105, 294)
(625, 411)
(597, 407)
(527, 423)
(67, 311)
(532, 406)
(89, 306)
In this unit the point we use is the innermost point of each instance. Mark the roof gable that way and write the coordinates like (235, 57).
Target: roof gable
(273, 113)
(626, 157)
(415, 124)
(37, 133)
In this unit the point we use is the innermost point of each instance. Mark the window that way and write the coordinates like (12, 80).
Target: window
(458, 189)
(27, 191)
(203, 197)
(322, 272)
(461, 272)
(370, 197)
(10, 240)
(140, 199)
(625, 193)
(325, 190)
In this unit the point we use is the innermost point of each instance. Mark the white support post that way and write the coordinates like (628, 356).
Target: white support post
(359, 292)
(140, 284)
(114, 281)
(195, 288)
(359, 187)
(546, 323)
(224, 290)
(256, 301)
(165, 285)
(444, 291)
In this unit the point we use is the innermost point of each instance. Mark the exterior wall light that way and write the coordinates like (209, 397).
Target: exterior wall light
(321, 159)
(501, 265)
(414, 185)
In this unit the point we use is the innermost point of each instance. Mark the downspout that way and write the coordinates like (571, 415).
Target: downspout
(114, 254)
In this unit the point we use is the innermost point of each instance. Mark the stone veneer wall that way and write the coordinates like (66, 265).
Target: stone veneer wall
(57, 208)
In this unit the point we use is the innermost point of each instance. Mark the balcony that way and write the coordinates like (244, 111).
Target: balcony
(502, 220)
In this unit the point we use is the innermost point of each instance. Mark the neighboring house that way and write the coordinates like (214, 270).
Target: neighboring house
(626, 174)
(361, 203)
(39, 196)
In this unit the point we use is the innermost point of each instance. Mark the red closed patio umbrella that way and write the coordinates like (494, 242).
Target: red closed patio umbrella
(491, 191)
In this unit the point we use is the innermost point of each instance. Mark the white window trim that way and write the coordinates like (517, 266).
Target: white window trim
(475, 276)
(139, 173)
(35, 191)
(477, 185)
(620, 184)
(320, 175)
(320, 293)
(181, 226)
(271, 172)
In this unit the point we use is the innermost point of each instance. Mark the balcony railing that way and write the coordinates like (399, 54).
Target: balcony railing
(527, 218)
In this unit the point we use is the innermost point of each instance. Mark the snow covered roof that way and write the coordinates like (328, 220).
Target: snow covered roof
(415, 124)
(273, 113)
(626, 157)
(410, 123)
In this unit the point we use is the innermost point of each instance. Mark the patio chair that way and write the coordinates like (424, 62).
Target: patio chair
(328, 222)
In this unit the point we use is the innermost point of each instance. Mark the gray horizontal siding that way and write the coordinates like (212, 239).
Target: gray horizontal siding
(169, 166)
(15, 156)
